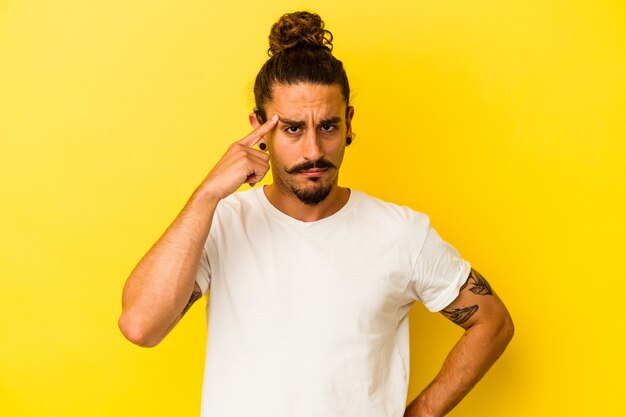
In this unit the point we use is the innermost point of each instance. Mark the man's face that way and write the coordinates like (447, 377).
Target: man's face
(307, 146)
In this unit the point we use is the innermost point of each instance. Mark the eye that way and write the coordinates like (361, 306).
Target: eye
(328, 127)
(292, 129)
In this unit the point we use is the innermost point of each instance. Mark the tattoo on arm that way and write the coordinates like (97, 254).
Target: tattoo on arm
(480, 286)
(195, 296)
(460, 315)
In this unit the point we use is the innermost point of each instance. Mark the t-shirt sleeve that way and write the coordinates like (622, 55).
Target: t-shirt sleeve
(203, 277)
(439, 273)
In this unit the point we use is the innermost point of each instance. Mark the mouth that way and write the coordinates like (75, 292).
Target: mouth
(313, 172)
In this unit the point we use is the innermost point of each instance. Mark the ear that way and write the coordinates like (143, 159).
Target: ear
(349, 116)
(254, 122)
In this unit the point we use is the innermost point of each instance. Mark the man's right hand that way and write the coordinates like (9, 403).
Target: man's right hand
(161, 287)
(240, 164)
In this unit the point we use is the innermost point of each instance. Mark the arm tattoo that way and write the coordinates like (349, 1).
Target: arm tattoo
(480, 286)
(195, 296)
(460, 315)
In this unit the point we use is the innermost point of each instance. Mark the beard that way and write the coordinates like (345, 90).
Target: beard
(311, 194)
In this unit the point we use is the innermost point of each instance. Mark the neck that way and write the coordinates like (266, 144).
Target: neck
(293, 207)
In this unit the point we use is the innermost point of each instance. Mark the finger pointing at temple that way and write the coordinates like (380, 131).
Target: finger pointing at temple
(256, 135)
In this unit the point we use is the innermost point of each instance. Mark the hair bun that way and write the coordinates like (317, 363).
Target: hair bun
(299, 29)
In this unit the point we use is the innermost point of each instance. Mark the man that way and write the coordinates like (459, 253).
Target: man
(310, 282)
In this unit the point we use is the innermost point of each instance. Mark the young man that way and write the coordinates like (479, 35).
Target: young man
(310, 283)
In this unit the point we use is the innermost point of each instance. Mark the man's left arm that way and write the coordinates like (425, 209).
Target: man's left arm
(488, 330)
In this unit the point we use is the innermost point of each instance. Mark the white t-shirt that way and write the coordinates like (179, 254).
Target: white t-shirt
(309, 319)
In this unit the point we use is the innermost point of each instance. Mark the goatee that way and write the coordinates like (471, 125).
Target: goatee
(321, 191)
(314, 196)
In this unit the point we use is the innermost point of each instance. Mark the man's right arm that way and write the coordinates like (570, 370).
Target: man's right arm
(162, 286)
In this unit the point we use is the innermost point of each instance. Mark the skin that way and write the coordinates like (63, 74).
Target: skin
(310, 124)
(162, 286)
(488, 330)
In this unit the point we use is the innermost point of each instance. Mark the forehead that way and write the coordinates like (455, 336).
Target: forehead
(304, 100)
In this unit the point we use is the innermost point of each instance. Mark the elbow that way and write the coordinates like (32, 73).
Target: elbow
(136, 332)
(507, 329)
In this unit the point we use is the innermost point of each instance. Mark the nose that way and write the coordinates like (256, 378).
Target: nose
(312, 146)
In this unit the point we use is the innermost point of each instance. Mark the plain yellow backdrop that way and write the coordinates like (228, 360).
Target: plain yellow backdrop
(504, 121)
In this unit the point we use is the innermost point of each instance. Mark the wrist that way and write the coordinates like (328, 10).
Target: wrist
(203, 198)
(419, 408)
(205, 195)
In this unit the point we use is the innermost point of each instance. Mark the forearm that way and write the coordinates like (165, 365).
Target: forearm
(159, 287)
(161, 284)
(479, 347)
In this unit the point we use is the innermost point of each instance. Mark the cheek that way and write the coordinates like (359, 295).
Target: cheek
(284, 146)
(282, 154)
(335, 149)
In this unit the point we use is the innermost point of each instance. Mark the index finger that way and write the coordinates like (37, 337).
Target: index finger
(255, 136)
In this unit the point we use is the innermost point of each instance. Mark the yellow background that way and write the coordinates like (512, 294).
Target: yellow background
(504, 121)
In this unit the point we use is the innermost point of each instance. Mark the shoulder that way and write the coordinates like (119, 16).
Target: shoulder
(389, 221)
(378, 210)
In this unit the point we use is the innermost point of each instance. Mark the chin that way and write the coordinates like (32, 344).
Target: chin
(313, 195)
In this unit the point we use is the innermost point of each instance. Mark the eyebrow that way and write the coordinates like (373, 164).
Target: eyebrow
(300, 123)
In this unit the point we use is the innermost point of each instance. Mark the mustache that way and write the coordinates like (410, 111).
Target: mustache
(320, 163)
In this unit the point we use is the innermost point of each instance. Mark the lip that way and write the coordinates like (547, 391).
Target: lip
(313, 173)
